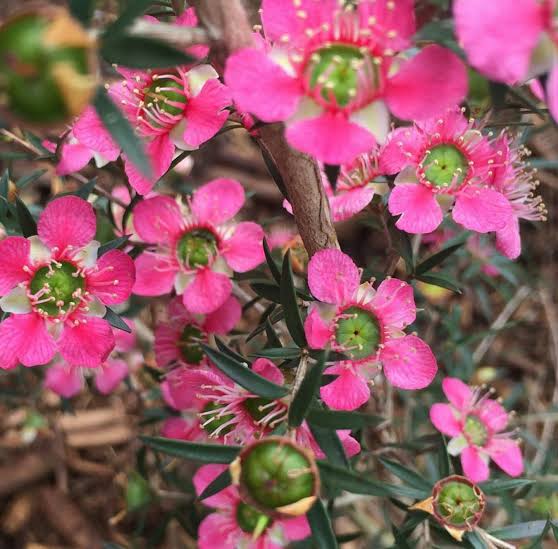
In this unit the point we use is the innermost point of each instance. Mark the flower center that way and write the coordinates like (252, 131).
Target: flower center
(358, 332)
(196, 248)
(475, 430)
(258, 408)
(250, 519)
(459, 503)
(213, 420)
(57, 288)
(444, 166)
(189, 344)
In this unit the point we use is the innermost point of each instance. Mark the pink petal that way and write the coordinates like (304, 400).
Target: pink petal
(109, 375)
(207, 292)
(482, 210)
(113, 278)
(188, 18)
(499, 43)
(348, 392)
(153, 275)
(204, 476)
(157, 220)
(166, 344)
(296, 528)
(180, 428)
(267, 369)
(508, 239)
(506, 453)
(205, 113)
(420, 212)
(403, 148)
(243, 251)
(87, 344)
(218, 201)
(73, 157)
(330, 137)
(457, 392)
(29, 341)
(14, 252)
(474, 467)
(276, 95)
(64, 380)
(125, 341)
(494, 415)
(220, 530)
(408, 362)
(426, 85)
(444, 419)
(349, 203)
(185, 384)
(552, 92)
(333, 276)
(90, 131)
(350, 444)
(318, 332)
(395, 304)
(67, 221)
(224, 319)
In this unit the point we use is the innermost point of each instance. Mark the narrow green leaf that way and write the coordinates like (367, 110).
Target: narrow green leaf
(206, 453)
(475, 540)
(538, 543)
(273, 170)
(322, 529)
(290, 303)
(279, 352)
(224, 348)
(439, 279)
(4, 191)
(82, 10)
(400, 539)
(444, 464)
(522, 530)
(405, 249)
(335, 419)
(331, 446)
(113, 245)
(220, 482)
(407, 476)
(271, 262)
(26, 179)
(134, 8)
(332, 174)
(26, 221)
(497, 486)
(242, 375)
(85, 190)
(268, 290)
(437, 258)
(120, 129)
(306, 393)
(272, 338)
(116, 321)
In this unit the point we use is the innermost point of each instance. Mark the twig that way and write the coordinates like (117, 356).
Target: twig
(300, 373)
(173, 34)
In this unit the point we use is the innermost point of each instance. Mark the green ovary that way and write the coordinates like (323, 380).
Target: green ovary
(445, 166)
(159, 94)
(196, 248)
(212, 420)
(249, 518)
(61, 286)
(253, 405)
(189, 344)
(360, 334)
(476, 431)
(458, 503)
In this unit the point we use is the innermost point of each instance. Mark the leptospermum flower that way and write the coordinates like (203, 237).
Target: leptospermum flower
(178, 341)
(525, 44)
(441, 162)
(334, 73)
(56, 289)
(476, 424)
(237, 525)
(366, 325)
(196, 246)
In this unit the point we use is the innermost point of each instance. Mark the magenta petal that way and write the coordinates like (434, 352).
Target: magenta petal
(420, 212)
(295, 528)
(64, 380)
(402, 148)
(180, 428)
(218, 201)
(243, 251)
(260, 86)
(428, 84)
(205, 113)
(67, 221)
(90, 131)
(506, 453)
(154, 275)
(331, 138)
(318, 333)
(457, 392)
(113, 278)
(14, 252)
(444, 419)
(87, 344)
(207, 292)
(73, 157)
(204, 476)
(508, 239)
(474, 467)
(552, 92)
(221, 530)
(267, 369)
(110, 375)
(408, 362)
(166, 344)
(333, 276)
(125, 341)
(348, 203)
(395, 304)
(348, 392)
(494, 415)
(158, 220)
(225, 318)
(482, 210)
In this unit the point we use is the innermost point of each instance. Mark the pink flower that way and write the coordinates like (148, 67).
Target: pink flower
(196, 246)
(367, 325)
(511, 40)
(233, 523)
(475, 422)
(56, 288)
(439, 162)
(178, 340)
(333, 74)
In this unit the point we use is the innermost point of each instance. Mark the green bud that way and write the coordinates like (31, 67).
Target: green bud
(138, 492)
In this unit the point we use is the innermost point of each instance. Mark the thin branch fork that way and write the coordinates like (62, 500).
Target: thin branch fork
(175, 35)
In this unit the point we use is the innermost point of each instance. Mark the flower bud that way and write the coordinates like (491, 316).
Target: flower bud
(46, 66)
(277, 477)
(138, 492)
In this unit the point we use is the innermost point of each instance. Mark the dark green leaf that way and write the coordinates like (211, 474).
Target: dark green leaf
(268, 290)
(444, 464)
(322, 529)
(400, 539)
(85, 190)
(495, 487)
(475, 540)
(332, 173)
(273, 170)
(280, 352)
(241, 374)
(407, 476)
(134, 8)
(220, 482)
(405, 249)
(4, 191)
(224, 348)
(112, 245)
(116, 321)
(537, 543)
(437, 258)
(272, 338)
(335, 419)
(522, 530)
(26, 222)
(82, 10)
(306, 393)
(439, 279)
(26, 179)
(271, 262)
(290, 303)
(206, 453)
(120, 129)
(331, 446)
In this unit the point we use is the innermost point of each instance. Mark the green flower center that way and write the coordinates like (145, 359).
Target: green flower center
(476, 431)
(250, 519)
(445, 166)
(189, 344)
(459, 503)
(359, 332)
(254, 407)
(196, 248)
(335, 72)
(166, 94)
(213, 419)
(58, 288)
